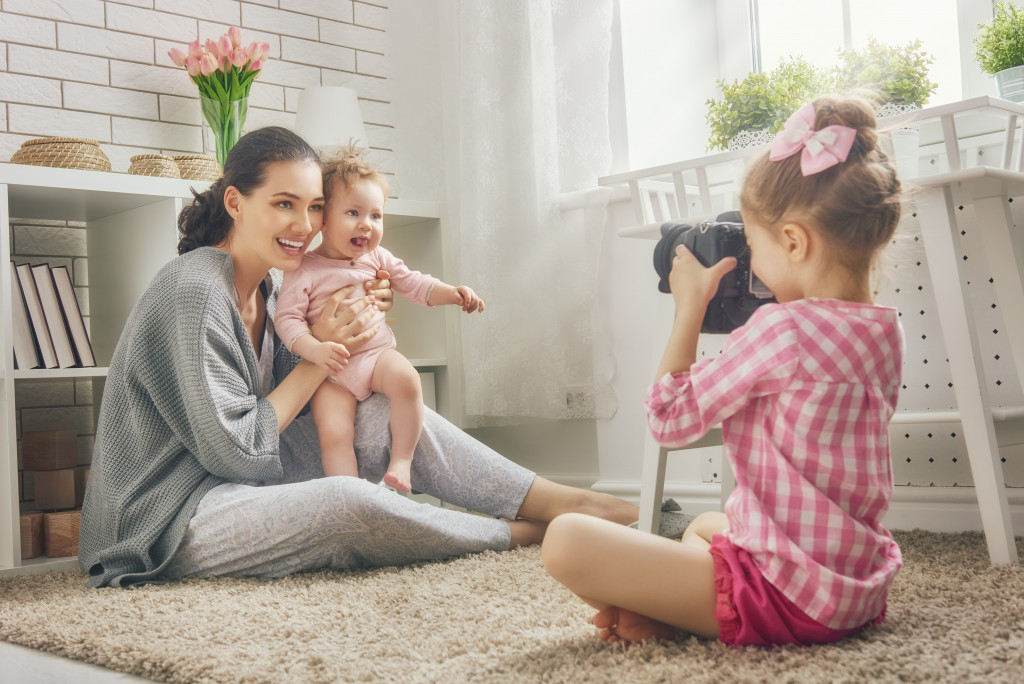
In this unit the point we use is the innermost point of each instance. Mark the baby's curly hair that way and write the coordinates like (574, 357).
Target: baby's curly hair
(348, 166)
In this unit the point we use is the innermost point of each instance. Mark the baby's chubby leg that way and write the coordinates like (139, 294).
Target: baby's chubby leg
(395, 377)
(334, 412)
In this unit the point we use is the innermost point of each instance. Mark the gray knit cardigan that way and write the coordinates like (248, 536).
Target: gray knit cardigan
(180, 415)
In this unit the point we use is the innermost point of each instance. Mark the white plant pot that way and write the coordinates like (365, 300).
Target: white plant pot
(906, 140)
(746, 139)
(1010, 83)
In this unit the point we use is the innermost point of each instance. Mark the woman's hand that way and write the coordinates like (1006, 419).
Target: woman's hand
(380, 290)
(348, 326)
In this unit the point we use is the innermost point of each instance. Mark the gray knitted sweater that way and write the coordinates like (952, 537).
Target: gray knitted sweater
(181, 414)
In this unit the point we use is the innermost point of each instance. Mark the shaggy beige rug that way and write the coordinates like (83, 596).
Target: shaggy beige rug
(498, 617)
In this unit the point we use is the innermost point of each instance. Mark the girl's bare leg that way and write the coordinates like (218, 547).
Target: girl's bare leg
(395, 377)
(334, 412)
(545, 500)
(643, 586)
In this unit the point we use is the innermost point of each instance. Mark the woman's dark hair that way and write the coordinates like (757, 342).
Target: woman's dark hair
(206, 221)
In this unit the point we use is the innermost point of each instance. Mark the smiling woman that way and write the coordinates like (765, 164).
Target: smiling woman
(202, 403)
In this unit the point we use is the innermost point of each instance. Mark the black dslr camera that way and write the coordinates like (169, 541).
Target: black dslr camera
(740, 292)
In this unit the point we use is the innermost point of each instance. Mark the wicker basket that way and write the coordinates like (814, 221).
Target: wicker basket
(62, 153)
(154, 165)
(198, 167)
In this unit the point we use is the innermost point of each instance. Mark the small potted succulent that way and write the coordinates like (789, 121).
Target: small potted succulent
(897, 73)
(750, 112)
(999, 50)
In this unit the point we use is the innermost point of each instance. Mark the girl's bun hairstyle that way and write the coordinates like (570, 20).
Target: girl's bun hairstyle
(855, 204)
(349, 166)
(206, 221)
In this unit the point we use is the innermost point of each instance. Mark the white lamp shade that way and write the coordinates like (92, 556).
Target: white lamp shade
(328, 117)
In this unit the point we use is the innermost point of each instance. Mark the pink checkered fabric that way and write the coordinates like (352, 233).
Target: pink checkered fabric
(804, 393)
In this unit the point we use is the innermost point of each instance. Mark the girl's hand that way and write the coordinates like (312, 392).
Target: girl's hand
(691, 283)
(380, 290)
(468, 300)
(348, 326)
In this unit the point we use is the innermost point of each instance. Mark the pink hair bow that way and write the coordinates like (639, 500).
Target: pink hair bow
(821, 149)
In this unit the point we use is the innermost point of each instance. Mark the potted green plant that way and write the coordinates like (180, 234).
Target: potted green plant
(999, 50)
(750, 112)
(897, 73)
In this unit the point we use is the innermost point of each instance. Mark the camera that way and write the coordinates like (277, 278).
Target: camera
(740, 292)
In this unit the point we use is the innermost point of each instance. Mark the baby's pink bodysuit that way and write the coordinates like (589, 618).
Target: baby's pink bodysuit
(306, 289)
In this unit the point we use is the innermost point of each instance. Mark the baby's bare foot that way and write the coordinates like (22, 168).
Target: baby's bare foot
(620, 626)
(398, 477)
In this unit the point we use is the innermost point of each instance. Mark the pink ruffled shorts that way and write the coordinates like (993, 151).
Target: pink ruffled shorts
(751, 611)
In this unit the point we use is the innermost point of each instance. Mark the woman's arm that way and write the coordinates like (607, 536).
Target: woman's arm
(347, 327)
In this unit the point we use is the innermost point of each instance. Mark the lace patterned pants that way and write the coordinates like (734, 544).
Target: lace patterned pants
(308, 521)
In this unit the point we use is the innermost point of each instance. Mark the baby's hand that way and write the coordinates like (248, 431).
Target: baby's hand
(468, 300)
(330, 356)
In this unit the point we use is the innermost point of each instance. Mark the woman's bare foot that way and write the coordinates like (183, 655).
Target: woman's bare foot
(546, 500)
(526, 532)
(620, 626)
(398, 475)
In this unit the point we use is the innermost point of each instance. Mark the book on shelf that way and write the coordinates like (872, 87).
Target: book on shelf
(25, 353)
(36, 315)
(59, 334)
(73, 316)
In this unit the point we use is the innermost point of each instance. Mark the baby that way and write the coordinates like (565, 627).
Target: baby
(350, 254)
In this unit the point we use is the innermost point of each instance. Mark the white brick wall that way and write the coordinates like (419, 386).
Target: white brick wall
(99, 69)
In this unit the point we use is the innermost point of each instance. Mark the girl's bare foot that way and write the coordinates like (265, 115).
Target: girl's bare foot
(398, 476)
(620, 626)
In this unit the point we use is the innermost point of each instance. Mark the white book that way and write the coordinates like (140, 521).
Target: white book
(36, 315)
(59, 334)
(25, 355)
(73, 316)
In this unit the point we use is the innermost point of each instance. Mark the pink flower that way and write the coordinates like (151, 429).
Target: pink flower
(192, 64)
(254, 50)
(235, 34)
(238, 57)
(178, 56)
(194, 50)
(211, 47)
(256, 66)
(208, 64)
(224, 46)
(265, 53)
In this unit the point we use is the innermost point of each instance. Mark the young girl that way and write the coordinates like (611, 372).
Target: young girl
(804, 393)
(349, 254)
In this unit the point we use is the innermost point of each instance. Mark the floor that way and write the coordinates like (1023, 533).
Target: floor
(28, 666)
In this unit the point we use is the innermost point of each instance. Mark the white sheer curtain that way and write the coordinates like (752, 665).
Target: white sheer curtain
(526, 101)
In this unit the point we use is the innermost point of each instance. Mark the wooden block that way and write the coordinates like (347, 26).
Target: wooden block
(56, 489)
(49, 449)
(31, 534)
(60, 533)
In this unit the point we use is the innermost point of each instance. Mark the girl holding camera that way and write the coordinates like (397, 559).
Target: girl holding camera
(804, 393)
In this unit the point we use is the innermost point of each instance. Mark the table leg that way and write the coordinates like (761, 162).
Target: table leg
(938, 224)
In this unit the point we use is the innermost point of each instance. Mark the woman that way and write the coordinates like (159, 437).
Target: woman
(202, 402)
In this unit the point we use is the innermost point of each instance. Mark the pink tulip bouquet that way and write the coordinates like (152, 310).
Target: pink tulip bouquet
(224, 71)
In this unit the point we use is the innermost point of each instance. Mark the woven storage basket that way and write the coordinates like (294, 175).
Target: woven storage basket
(154, 165)
(198, 167)
(62, 153)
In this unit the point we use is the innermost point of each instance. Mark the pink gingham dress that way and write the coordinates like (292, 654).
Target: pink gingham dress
(804, 393)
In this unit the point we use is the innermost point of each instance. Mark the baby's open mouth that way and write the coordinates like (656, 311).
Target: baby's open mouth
(359, 242)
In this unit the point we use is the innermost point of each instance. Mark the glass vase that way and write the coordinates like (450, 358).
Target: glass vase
(224, 120)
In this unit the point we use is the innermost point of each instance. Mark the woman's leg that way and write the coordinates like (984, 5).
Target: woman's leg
(334, 411)
(643, 586)
(338, 522)
(547, 500)
(395, 377)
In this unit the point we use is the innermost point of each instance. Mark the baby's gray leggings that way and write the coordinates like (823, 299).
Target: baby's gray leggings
(309, 521)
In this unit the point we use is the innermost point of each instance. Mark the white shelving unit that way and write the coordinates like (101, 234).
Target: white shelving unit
(131, 233)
